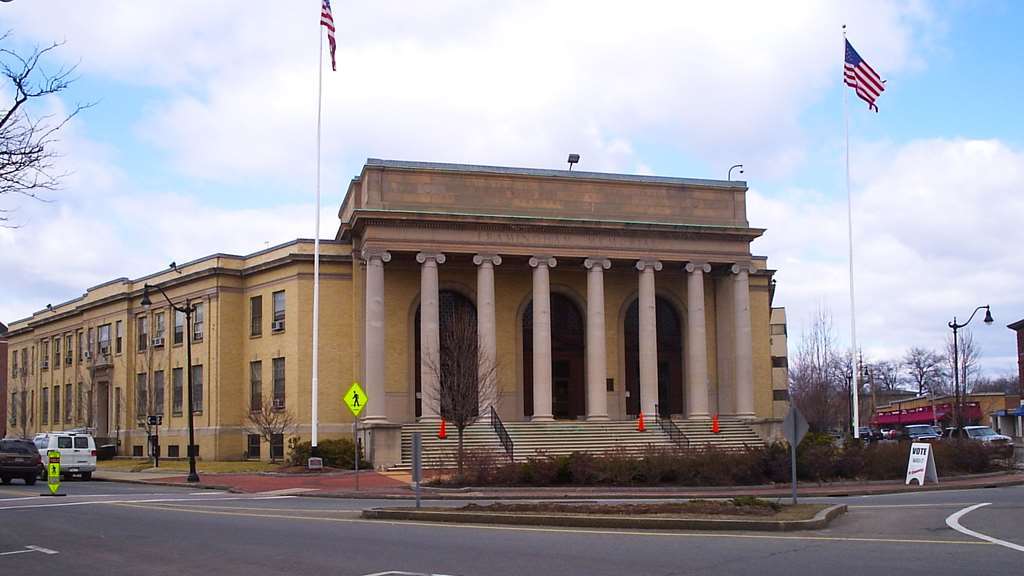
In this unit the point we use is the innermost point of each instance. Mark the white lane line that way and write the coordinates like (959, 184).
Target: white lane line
(15, 552)
(41, 549)
(939, 505)
(953, 521)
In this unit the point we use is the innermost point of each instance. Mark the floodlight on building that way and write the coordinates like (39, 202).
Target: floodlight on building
(733, 167)
(573, 159)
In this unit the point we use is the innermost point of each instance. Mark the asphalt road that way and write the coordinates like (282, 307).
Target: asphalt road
(107, 528)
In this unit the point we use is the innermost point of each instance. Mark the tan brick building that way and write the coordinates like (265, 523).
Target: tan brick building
(615, 264)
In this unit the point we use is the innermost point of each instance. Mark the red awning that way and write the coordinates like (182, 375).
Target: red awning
(923, 414)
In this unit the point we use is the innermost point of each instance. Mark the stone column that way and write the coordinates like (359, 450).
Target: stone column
(486, 331)
(648, 338)
(542, 337)
(697, 346)
(597, 369)
(430, 337)
(744, 341)
(376, 407)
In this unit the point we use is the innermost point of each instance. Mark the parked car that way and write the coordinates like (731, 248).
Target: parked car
(77, 451)
(984, 434)
(922, 432)
(19, 459)
(869, 434)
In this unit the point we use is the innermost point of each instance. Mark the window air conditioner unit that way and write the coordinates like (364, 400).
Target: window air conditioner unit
(279, 403)
(46, 363)
(197, 334)
(87, 355)
(277, 325)
(158, 341)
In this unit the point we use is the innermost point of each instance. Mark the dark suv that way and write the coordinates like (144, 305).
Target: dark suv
(19, 459)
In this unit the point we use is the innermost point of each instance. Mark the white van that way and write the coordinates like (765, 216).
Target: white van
(77, 451)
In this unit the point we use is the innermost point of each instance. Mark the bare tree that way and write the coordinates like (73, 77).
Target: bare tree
(269, 422)
(969, 356)
(1006, 384)
(924, 371)
(817, 382)
(26, 139)
(467, 380)
(886, 374)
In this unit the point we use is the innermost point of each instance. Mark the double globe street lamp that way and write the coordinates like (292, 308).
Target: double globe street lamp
(187, 310)
(958, 408)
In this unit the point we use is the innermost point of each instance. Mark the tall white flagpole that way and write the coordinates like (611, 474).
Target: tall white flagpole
(316, 252)
(854, 376)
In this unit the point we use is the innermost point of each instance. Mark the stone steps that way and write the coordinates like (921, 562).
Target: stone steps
(535, 439)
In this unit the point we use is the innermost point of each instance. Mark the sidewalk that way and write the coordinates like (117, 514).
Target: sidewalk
(397, 485)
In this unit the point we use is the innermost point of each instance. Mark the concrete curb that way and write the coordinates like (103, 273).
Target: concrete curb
(230, 489)
(820, 520)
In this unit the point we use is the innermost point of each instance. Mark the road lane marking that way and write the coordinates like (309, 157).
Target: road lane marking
(953, 521)
(148, 500)
(30, 549)
(942, 505)
(194, 510)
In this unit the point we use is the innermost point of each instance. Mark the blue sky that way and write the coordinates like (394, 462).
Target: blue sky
(205, 114)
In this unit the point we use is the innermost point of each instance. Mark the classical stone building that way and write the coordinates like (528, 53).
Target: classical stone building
(595, 296)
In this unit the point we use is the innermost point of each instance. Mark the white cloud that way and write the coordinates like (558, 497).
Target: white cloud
(936, 233)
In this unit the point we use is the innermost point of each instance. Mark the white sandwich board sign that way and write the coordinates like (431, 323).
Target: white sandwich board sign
(921, 466)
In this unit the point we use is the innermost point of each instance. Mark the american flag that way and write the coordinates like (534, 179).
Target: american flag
(327, 21)
(861, 77)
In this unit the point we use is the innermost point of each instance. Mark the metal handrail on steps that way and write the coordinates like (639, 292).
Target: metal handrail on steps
(672, 430)
(499, 428)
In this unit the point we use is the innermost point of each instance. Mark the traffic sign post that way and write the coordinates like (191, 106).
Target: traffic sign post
(53, 472)
(794, 427)
(417, 463)
(356, 400)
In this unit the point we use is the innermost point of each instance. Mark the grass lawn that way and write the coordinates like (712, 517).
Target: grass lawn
(203, 466)
(738, 508)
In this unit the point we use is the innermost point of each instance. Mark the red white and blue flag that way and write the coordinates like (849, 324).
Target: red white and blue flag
(861, 77)
(327, 21)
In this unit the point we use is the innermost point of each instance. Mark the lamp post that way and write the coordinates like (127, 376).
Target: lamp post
(187, 311)
(958, 407)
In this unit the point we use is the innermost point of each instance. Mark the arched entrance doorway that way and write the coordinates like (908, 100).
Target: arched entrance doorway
(670, 352)
(568, 341)
(457, 330)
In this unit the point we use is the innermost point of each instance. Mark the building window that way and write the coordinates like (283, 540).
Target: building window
(256, 316)
(79, 403)
(255, 386)
(780, 362)
(179, 327)
(56, 352)
(197, 323)
(197, 389)
(158, 330)
(45, 399)
(56, 404)
(778, 329)
(117, 406)
(81, 345)
(137, 451)
(142, 327)
(118, 336)
(158, 392)
(176, 389)
(173, 451)
(278, 320)
(141, 395)
(780, 395)
(68, 402)
(253, 450)
(278, 383)
(24, 361)
(14, 363)
(14, 409)
(276, 446)
(44, 354)
(69, 351)
(104, 337)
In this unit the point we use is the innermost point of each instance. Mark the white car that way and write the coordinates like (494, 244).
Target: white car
(77, 452)
(986, 434)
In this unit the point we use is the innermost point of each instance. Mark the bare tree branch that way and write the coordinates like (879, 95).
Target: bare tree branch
(269, 421)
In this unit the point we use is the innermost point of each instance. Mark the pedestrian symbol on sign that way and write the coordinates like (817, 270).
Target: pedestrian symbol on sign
(356, 399)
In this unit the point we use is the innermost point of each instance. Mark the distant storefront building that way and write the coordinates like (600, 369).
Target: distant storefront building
(600, 296)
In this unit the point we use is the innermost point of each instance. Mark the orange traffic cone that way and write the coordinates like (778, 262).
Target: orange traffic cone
(640, 423)
(714, 424)
(443, 432)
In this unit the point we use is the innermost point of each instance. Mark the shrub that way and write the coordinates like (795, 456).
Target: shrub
(336, 453)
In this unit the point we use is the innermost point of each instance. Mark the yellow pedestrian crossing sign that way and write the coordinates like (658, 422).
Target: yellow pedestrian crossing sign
(355, 399)
(53, 471)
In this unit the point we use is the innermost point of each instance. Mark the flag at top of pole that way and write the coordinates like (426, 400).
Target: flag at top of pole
(327, 21)
(861, 77)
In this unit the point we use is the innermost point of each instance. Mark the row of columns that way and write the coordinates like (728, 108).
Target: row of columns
(597, 404)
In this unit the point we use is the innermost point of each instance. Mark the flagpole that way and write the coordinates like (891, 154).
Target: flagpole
(853, 308)
(316, 257)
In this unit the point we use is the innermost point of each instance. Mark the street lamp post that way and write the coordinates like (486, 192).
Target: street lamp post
(193, 476)
(958, 406)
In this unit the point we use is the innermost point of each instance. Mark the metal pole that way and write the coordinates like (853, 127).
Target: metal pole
(792, 459)
(956, 379)
(417, 463)
(192, 475)
(316, 261)
(355, 447)
(849, 208)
